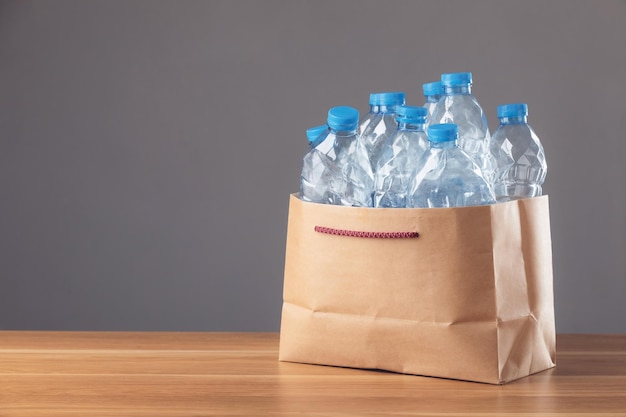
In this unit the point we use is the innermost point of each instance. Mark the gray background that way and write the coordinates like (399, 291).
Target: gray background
(148, 148)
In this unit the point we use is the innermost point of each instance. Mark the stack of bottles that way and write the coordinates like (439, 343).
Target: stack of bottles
(439, 154)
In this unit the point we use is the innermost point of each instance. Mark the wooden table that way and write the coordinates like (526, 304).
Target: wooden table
(237, 374)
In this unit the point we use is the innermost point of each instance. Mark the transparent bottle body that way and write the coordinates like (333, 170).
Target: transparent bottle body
(448, 177)
(338, 172)
(460, 107)
(430, 105)
(375, 128)
(397, 162)
(520, 161)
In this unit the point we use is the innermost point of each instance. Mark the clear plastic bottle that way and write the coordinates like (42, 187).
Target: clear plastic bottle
(337, 170)
(316, 134)
(446, 176)
(380, 122)
(432, 94)
(459, 106)
(399, 157)
(520, 160)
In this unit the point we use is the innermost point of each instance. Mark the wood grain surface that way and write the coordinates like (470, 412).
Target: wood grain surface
(238, 374)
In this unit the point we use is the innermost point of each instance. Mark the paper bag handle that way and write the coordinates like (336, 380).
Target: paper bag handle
(376, 235)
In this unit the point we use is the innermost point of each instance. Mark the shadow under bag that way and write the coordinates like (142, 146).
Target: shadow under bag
(463, 293)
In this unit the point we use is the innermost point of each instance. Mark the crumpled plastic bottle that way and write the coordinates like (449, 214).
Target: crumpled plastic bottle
(447, 176)
(337, 171)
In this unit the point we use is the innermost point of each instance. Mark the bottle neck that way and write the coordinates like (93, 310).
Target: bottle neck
(343, 133)
(433, 98)
(383, 108)
(515, 120)
(443, 145)
(411, 126)
(457, 89)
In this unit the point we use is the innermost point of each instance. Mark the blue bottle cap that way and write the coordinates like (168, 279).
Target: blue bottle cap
(432, 89)
(387, 99)
(411, 114)
(456, 79)
(315, 132)
(444, 132)
(343, 118)
(513, 110)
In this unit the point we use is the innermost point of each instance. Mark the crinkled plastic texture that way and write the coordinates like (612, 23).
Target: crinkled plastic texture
(398, 160)
(465, 111)
(447, 177)
(337, 171)
(375, 129)
(520, 162)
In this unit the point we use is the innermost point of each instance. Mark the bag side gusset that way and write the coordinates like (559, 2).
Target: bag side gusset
(524, 287)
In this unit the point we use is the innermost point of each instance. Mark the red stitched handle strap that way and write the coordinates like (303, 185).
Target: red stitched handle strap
(377, 235)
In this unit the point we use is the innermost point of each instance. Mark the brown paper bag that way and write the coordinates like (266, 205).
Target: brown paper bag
(469, 298)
